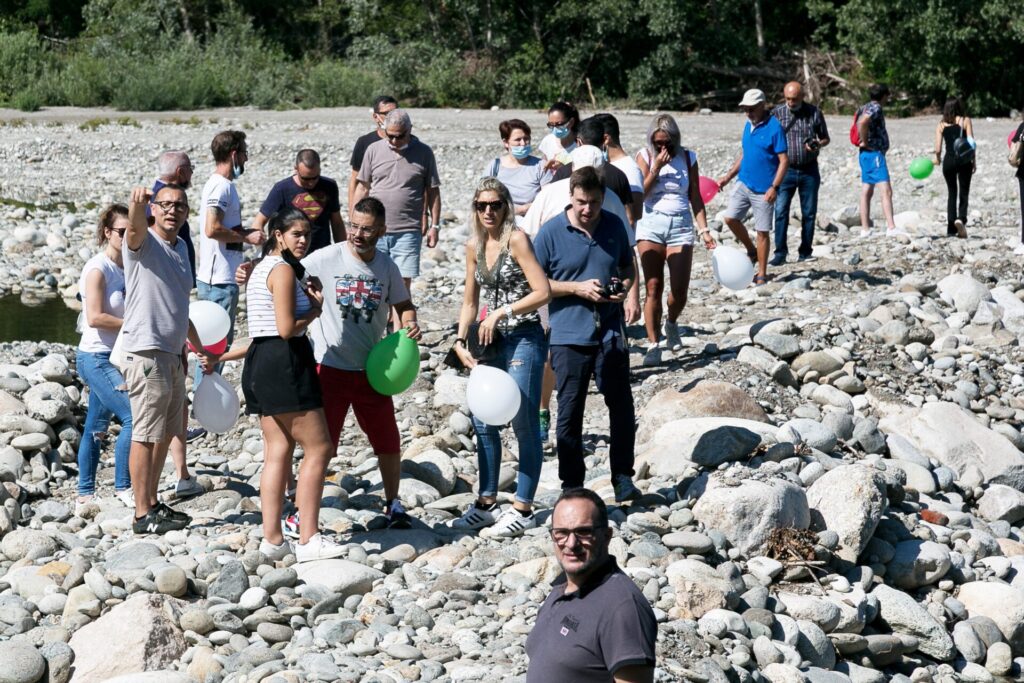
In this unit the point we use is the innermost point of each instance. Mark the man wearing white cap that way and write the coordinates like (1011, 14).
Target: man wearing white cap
(761, 167)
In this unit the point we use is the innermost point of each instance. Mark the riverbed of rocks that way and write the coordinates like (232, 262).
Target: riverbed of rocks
(833, 465)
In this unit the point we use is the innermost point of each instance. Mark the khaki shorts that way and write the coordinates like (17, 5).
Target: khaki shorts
(743, 199)
(156, 392)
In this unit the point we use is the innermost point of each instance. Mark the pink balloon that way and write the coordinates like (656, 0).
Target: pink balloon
(708, 188)
(217, 348)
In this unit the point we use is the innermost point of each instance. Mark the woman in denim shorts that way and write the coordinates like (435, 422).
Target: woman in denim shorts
(665, 232)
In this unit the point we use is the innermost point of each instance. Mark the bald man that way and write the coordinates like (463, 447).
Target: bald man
(806, 133)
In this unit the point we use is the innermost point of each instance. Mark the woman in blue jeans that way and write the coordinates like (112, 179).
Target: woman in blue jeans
(102, 289)
(503, 274)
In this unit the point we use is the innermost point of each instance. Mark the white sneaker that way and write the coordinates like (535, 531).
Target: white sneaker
(866, 232)
(475, 518)
(510, 524)
(276, 552)
(652, 358)
(127, 496)
(1019, 250)
(318, 548)
(895, 232)
(187, 488)
(672, 340)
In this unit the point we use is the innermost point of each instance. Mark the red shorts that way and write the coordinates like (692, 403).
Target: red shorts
(375, 412)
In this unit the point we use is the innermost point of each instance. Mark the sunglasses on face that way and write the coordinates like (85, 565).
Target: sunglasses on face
(557, 125)
(495, 206)
(584, 534)
(168, 207)
(394, 138)
(118, 231)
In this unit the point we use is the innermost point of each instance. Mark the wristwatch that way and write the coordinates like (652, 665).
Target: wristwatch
(508, 311)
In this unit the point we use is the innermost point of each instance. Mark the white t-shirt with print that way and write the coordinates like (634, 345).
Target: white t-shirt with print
(217, 263)
(551, 148)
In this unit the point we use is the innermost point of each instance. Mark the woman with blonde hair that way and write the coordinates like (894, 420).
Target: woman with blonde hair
(502, 273)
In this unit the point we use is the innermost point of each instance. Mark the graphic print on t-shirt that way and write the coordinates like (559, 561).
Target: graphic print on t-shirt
(358, 297)
(310, 203)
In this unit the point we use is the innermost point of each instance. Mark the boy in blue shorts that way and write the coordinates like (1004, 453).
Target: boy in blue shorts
(874, 143)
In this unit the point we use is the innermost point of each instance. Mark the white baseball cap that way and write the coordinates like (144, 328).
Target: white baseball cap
(752, 97)
(587, 155)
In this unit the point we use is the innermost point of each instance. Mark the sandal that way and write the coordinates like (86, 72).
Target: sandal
(760, 280)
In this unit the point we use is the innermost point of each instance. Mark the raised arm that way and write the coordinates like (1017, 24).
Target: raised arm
(138, 228)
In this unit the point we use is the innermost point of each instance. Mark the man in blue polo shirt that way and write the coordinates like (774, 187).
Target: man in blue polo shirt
(761, 167)
(585, 252)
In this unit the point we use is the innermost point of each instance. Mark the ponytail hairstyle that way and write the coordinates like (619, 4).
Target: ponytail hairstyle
(282, 221)
(571, 114)
(108, 217)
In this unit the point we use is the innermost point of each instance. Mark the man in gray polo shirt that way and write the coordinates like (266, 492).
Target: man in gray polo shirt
(401, 172)
(158, 280)
(595, 625)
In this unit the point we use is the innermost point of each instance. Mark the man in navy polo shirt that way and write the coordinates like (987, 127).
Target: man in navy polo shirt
(585, 252)
(761, 167)
(312, 194)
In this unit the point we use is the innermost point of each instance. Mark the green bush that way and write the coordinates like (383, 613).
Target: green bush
(333, 83)
(22, 60)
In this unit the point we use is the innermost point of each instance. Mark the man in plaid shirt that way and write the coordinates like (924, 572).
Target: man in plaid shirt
(806, 134)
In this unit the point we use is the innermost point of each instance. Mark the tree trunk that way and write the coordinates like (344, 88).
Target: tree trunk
(759, 27)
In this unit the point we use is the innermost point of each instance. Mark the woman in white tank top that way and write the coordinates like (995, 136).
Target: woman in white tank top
(280, 384)
(101, 287)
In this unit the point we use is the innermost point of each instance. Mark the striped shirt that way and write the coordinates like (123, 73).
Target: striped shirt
(806, 122)
(260, 302)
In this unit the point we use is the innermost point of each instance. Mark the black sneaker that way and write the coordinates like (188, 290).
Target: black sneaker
(396, 515)
(194, 433)
(153, 523)
(777, 260)
(172, 515)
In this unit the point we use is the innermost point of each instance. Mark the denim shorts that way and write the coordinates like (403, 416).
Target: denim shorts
(873, 169)
(744, 199)
(404, 250)
(662, 228)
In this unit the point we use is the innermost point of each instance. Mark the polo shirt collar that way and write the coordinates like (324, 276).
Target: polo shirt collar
(760, 123)
(600, 575)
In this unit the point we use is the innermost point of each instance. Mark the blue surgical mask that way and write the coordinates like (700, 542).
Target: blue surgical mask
(237, 170)
(520, 151)
(560, 132)
(604, 154)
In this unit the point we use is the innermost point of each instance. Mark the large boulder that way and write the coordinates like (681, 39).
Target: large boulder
(339, 576)
(918, 563)
(948, 433)
(964, 292)
(140, 634)
(700, 588)
(849, 500)
(700, 398)
(1002, 503)
(706, 441)
(747, 513)
(903, 614)
(999, 602)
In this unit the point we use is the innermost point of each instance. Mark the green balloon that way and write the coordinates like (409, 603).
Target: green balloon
(393, 364)
(921, 168)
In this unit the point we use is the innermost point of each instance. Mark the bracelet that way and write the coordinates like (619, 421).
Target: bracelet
(460, 340)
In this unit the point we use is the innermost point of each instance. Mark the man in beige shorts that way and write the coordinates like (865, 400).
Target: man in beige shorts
(158, 280)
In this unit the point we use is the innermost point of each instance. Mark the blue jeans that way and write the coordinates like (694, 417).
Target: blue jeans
(524, 354)
(806, 183)
(404, 249)
(108, 396)
(225, 296)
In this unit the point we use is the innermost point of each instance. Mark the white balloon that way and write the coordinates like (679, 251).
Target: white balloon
(216, 404)
(732, 267)
(210, 320)
(492, 395)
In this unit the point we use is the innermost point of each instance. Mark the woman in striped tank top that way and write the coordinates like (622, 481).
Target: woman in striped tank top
(280, 384)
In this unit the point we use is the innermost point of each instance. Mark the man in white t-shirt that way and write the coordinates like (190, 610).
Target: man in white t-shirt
(220, 226)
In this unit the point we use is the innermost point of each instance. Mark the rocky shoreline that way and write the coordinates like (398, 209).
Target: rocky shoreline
(832, 467)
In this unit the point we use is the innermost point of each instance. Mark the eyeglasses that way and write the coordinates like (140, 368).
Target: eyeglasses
(583, 534)
(118, 231)
(557, 125)
(496, 206)
(394, 138)
(354, 229)
(168, 207)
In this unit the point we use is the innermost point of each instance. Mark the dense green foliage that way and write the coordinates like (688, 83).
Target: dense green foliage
(185, 54)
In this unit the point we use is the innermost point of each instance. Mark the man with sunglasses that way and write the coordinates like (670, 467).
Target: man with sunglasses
(595, 625)
(158, 281)
(312, 194)
(401, 172)
(382, 106)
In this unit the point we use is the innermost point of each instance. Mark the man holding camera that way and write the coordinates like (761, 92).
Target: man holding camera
(806, 133)
(586, 254)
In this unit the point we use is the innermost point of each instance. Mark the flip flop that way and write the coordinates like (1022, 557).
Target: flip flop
(760, 280)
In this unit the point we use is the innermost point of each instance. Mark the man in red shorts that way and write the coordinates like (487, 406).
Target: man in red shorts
(360, 285)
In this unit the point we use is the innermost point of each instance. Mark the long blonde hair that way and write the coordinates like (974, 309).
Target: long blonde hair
(509, 223)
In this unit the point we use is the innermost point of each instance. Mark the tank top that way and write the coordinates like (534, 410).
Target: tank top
(95, 340)
(671, 193)
(949, 136)
(503, 284)
(260, 302)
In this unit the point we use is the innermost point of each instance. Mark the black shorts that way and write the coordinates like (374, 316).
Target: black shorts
(279, 376)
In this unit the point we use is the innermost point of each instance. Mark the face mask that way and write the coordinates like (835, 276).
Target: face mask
(237, 170)
(520, 151)
(604, 154)
(380, 125)
(396, 148)
(561, 132)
